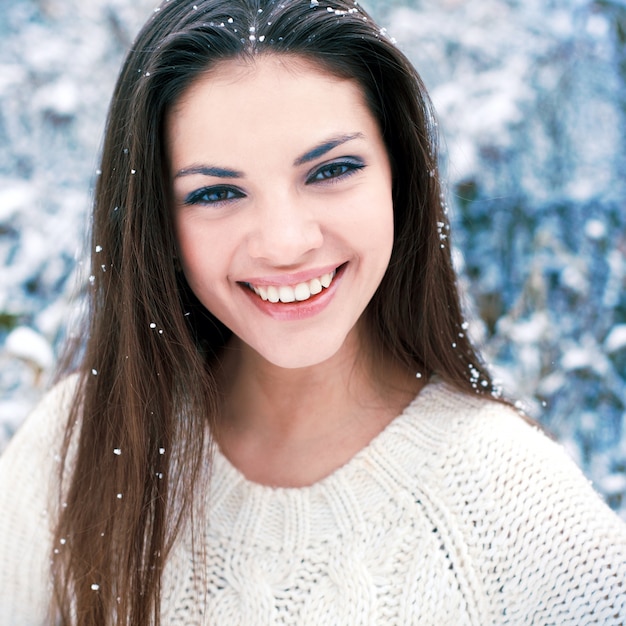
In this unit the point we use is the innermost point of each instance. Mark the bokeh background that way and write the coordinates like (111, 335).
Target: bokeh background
(531, 98)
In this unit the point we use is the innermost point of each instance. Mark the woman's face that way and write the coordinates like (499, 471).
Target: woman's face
(282, 204)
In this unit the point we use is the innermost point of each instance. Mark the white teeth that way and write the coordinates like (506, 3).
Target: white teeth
(315, 286)
(286, 294)
(326, 279)
(302, 292)
(299, 292)
(272, 294)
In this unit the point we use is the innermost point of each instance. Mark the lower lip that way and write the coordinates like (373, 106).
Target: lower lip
(290, 311)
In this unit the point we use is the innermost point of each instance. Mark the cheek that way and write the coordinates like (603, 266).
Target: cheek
(376, 227)
(187, 252)
(199, 253)
(382, 240)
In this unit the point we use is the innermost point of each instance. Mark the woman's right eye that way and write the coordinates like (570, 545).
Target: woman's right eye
(213, 195)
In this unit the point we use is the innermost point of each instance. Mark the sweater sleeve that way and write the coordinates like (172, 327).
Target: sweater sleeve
(549, 550)
(28, 469)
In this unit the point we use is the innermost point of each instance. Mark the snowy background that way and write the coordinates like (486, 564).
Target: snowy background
(531, 98)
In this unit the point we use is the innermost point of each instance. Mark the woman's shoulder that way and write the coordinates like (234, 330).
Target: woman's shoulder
(449, 422)
(47, 421)
(495, 471)
(539, 536)
(477, 445)
(458, 423)
(28, 472)
(29, 465)
(32, 457)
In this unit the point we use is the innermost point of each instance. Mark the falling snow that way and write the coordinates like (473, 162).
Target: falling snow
(531, 107)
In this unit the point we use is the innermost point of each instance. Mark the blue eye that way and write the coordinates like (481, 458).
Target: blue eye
(335, 170)
(213, 195)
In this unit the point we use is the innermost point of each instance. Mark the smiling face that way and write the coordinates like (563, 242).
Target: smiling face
(282, 204)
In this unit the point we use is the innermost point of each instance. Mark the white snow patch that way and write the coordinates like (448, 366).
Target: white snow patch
(61, 97)
(595, 230)
(585, 357)
(27, 344)
(613, 484)
(15, 198)
(616, 339)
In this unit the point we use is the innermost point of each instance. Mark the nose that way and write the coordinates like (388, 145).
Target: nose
(285, 229)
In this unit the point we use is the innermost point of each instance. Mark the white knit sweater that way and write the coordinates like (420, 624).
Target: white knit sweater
(458, 513)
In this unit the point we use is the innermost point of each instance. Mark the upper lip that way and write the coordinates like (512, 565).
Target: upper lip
(292, 278)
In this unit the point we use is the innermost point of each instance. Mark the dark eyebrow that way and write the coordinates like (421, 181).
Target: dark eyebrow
(206, 170)
(222, 172)
(325, 147)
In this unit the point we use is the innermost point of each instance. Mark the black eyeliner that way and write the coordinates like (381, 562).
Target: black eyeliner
(355, 164)
(195, 197)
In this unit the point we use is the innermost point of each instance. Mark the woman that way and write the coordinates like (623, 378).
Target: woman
(278, 416)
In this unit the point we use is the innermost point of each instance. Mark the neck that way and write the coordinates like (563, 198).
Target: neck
(294, 426)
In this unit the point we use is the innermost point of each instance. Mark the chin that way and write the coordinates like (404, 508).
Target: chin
(303, 356)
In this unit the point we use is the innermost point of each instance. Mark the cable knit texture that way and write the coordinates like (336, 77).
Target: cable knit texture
(458, 513)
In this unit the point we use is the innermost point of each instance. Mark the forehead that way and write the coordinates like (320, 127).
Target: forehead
(277, 99)
(254, 72)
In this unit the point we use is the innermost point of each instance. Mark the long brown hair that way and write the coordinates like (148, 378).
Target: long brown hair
(146, 384)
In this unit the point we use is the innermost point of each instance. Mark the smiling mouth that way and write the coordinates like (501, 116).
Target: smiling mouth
(301, 292)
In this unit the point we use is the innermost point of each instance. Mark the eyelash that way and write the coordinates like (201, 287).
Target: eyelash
(226, 193)
(348, 167)
(201, 196)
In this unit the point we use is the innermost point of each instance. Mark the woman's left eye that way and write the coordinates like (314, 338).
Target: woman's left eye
(335, 170)
(215, 195)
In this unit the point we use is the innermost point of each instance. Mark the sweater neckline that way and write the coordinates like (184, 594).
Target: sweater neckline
(233, 476)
